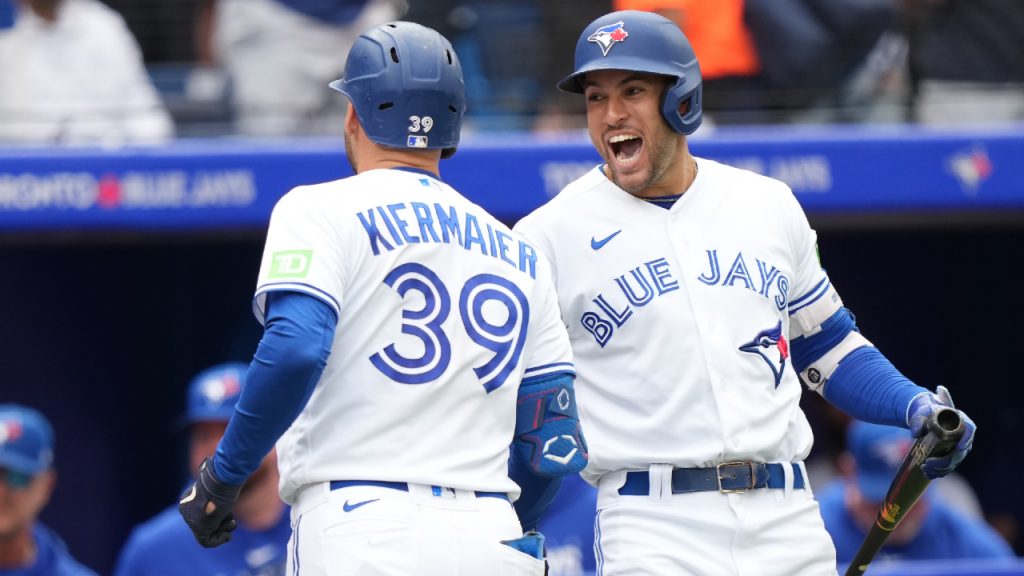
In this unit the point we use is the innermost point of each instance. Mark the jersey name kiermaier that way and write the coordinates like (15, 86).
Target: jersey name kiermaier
(442, 310)
(680, 318)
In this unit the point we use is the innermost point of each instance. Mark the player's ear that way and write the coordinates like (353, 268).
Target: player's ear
(351, 120)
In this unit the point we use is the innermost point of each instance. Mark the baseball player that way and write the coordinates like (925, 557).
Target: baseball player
(164, 545)
(694, 299)
(413, 356)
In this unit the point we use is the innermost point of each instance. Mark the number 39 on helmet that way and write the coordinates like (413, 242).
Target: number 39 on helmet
(406, 85)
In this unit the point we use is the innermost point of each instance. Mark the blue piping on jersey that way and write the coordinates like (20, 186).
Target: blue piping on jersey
(567, 365)
(300, 287)
(796, 305)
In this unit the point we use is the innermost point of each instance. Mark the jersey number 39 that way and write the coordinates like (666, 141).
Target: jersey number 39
(503, 339)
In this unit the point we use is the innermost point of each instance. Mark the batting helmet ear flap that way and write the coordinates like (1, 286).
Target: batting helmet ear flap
(681, 105)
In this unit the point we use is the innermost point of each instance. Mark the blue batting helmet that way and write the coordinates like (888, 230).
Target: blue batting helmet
(406, 84)
(643, 42)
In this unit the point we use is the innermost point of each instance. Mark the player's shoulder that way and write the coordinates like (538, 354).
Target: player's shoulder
(742, 187)
(574, 195)
(316, 198)
(741, 180)
(94, 12)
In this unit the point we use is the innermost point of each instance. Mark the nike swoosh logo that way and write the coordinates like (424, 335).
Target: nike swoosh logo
(350, 507)
(598, 244)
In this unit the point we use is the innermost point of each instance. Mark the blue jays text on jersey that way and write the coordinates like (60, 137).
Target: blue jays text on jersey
(770, 277)
(393, 225)
(639, 286)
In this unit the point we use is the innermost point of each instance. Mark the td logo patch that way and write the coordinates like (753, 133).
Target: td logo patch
(290, 263)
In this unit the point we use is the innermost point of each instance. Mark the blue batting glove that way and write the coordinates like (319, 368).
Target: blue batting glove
(921, 408)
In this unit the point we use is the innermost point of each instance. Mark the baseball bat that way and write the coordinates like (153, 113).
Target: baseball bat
(945, 428)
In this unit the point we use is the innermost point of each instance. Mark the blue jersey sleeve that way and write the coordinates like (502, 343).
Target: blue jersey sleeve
(297, 339)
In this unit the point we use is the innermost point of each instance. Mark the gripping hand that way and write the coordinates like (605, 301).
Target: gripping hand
(921, 407)
(207, 506)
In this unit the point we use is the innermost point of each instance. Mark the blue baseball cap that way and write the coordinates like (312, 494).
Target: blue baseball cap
(213, 393)
(878, 451)
(26, 440)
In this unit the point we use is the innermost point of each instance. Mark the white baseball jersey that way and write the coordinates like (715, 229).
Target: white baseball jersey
(680, 318)
(441, 311)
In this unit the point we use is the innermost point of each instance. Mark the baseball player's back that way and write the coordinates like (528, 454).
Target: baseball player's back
(414, 369)
(440, 314)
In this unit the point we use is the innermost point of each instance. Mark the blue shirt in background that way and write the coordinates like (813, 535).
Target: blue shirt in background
(52, 556)
(568, 528)
(164, 545)
(946, 533)
(6, 14)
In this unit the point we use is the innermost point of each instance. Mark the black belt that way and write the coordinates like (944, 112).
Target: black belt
(726, 477)
(335, 484)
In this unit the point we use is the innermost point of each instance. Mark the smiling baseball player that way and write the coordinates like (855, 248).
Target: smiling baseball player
(410, 339)
(694, 299)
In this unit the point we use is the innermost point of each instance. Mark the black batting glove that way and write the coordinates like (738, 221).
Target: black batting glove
(214, 528)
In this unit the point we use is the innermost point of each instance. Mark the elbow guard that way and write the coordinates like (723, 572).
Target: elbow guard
(548, 434)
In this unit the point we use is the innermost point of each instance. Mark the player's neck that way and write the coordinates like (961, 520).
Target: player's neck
(17, 550)
(400, 159)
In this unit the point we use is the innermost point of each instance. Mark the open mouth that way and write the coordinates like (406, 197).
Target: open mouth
(625, 147)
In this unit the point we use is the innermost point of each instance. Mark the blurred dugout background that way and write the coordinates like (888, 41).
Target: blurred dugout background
(103, 329)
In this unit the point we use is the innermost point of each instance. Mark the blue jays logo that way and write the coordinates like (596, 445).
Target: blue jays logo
(763, 345)
(608, 36)
(216, 390)
(9, 431)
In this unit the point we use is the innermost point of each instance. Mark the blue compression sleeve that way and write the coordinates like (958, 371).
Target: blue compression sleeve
(537, 494)
(297, 338)
(868, 387)
(805, 350)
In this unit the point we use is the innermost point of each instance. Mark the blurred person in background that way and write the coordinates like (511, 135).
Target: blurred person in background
(73, 73)
(931, 530)
(558, 111)
(730, 67)
(279, 55)
(165, 545)
(568, 529)
(967, 60)
(27, 479)
(812, 50)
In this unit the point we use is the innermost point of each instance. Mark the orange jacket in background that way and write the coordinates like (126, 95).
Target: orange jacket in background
(716, 30)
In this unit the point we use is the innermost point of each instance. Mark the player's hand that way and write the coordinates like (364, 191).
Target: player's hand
(207, 505)
(921, 408)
